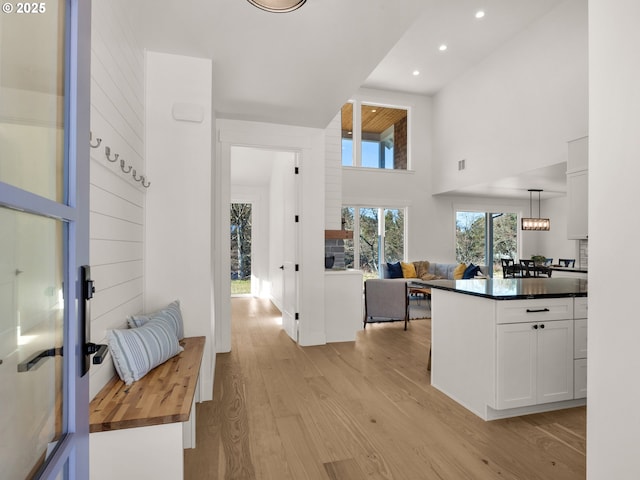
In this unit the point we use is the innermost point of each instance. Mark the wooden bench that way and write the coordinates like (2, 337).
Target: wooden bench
(137, 431)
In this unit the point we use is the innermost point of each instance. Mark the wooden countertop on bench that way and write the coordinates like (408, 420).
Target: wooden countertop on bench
(164, 395)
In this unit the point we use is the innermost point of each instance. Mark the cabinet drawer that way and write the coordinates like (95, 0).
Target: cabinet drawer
(580, 338)
(534, 310)
(580, 307)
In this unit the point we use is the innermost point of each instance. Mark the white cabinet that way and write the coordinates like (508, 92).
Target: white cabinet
(534, 363)
(578, 189)
(343, 304)
(580, 348)
(505, 358)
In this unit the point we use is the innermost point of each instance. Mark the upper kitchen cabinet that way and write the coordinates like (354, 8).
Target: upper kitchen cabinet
(578, 189)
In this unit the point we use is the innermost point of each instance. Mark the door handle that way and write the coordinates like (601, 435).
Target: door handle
(281, 267)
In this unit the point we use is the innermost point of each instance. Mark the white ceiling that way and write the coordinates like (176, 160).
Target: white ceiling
(299, 68)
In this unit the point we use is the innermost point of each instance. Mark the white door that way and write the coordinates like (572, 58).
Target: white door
(555, 361)
(516, 365)
(290, 247)
(44, 239)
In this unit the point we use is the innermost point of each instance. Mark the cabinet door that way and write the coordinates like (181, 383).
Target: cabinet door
(555, 361)
(580, 338)
(580, 378)
(578, 207)
(516, 365)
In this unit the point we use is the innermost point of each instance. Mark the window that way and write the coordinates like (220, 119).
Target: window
(378, 237)
(483, 238)
(240, 248)
(381, 133)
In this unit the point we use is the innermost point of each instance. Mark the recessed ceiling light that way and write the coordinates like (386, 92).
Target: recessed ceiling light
(416, 73)
(442, 47)
(373, 110)
(480, 14)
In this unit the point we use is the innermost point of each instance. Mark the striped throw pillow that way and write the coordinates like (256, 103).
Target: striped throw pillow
(136, 351)
(170, 314)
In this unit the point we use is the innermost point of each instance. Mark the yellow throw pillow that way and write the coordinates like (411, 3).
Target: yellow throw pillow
(458, 272)
(408, 270)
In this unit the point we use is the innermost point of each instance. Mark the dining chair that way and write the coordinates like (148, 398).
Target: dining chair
(567, 262)
(528, 267)
(509, 268)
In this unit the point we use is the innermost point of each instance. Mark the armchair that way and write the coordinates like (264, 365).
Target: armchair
(385, 301)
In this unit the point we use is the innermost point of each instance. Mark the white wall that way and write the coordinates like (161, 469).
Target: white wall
(554, 243)
(613, 416)
(333, 174)
(398, 188)
(178, 217)
(516, 110)
(117, 201)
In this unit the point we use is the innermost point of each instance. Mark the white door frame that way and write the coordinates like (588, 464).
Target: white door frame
(309, 144)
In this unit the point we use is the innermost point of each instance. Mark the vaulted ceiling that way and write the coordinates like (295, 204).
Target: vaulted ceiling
(299, 68)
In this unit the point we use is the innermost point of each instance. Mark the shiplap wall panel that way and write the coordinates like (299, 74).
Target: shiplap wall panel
(106, 203)
(333, 174)
(117, 201)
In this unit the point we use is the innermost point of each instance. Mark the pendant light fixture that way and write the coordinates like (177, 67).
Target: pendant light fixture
(531, 223)
(277, 6)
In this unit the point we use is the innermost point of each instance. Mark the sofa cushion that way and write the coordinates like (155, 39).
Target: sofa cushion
(471, 271)
(408, 270)
(422, 268)
(395, 270)
(458, 271)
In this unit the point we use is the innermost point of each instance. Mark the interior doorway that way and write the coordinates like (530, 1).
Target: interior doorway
(240, 254)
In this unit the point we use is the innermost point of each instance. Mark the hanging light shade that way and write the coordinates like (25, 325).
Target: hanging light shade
(278, 6)
(535, 223)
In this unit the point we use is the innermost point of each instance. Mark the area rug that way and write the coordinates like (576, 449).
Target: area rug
(419, 308)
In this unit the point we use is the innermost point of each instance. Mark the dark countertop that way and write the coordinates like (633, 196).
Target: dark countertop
(514, 288)
(568, 269)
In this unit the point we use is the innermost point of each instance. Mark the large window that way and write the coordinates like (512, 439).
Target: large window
(379, 132)
(378, 237)
(483, 238)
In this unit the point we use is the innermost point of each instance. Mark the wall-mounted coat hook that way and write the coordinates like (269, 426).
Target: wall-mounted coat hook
(107, 152)
(98, 141)
(135, 176)
(145, 185)
(122, 165)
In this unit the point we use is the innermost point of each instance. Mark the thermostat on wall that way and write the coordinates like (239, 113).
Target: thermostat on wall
(187, 112)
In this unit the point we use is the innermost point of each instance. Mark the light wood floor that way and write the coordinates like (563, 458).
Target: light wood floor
(360, 410)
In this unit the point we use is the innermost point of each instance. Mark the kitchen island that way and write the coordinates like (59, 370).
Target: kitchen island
(509, 347)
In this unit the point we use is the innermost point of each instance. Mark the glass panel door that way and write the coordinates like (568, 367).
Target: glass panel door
(44, 77)
(31, 341)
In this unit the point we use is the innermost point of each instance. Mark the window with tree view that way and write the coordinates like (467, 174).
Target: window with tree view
(484, 238)
(378, 237)
(381, 133)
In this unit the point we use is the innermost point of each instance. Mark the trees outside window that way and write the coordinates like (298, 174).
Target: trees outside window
(483, 238)
(378, 237)
(240, 248)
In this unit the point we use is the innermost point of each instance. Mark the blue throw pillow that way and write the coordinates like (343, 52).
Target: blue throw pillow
(395, 270)
(471, 271)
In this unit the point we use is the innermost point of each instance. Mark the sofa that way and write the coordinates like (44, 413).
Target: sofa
(425, 270)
